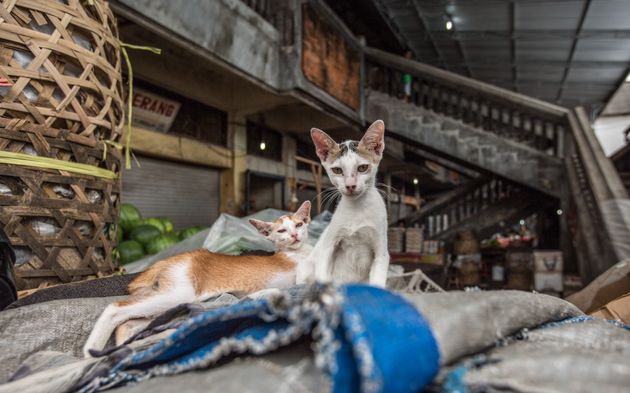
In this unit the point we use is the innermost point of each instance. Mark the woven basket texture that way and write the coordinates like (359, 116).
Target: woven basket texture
(61, 98)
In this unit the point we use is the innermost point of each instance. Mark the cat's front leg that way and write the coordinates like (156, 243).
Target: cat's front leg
(378, 271)
(322, 263)
(305, 271)
(380, 265)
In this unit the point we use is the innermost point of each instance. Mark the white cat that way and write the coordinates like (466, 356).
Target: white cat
(353, 248)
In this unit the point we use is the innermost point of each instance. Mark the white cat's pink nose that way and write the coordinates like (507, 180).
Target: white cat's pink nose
(351, 188)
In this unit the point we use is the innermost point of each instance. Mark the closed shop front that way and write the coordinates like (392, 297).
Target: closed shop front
(187, 194)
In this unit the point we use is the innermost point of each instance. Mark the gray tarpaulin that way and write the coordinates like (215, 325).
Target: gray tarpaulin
(487, 340)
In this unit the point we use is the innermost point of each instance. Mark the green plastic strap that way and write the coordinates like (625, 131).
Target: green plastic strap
(123, 49)
(22, 159)
(111, 143)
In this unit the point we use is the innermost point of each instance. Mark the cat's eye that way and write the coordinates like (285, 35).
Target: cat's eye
(299, 224)
(337, 171)
(362, 168)
(282, 230)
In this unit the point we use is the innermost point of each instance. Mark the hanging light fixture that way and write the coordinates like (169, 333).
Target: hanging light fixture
(415, 180)
(449, 24)
(263, 145)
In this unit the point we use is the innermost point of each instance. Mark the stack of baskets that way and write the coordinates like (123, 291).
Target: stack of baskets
(60, 108)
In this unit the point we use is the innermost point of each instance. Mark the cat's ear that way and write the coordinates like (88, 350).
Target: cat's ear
(263, 227)
(304, 212)
(374, 138)
(324, 144)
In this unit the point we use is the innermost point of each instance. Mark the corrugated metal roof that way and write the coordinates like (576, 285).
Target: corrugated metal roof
(570, 52)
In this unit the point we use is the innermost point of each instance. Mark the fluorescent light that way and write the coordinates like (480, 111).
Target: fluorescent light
(449, 24)
(263, 145)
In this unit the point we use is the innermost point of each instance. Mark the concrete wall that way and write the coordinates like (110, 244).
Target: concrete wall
(285, 168)
(226, 28)
(240, 40)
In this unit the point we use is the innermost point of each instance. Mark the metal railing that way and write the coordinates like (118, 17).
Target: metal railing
(460, 205)
(523, 119)
(278, 13)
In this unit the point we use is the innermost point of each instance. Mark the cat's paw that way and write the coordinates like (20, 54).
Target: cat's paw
(86, 352)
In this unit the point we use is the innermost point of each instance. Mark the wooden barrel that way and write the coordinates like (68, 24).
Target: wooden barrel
(60, 91)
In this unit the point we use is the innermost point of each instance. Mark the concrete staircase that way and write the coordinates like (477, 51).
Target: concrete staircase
(483, 204)
(467, 145)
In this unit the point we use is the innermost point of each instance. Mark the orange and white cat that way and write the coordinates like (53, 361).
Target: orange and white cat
(201, 274)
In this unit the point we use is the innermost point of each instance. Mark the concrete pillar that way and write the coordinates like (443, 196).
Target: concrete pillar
(289, 150)
(233, 179)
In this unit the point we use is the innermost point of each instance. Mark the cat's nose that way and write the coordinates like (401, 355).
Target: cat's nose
(351, 188)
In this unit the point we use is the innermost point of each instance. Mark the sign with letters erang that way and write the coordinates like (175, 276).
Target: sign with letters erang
(152, 111)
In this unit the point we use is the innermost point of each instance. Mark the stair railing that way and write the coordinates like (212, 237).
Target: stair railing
(457, 206)
(514, 116)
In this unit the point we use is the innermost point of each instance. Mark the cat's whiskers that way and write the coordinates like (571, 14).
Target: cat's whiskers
(331, 196)
(327, 196)
(386, 191)
(332, 199)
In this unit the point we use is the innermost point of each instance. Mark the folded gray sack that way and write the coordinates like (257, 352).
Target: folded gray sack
(465, 324)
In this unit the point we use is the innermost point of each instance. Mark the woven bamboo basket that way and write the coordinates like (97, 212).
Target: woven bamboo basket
(60, 90)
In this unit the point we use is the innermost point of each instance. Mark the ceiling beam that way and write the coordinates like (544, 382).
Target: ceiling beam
(462, 54)
(587, 5)
(513, 46)
(544, 83)
(447, 2)
(527, 34)
(423, 25)
(384, 11)
(585, 64)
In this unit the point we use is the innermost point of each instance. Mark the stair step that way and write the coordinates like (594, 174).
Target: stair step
(451, 133)
(475, 147)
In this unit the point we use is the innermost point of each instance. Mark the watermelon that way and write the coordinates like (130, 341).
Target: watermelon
(129, 215)
(130, 250)
(156, 222)
(143, 234)
(167, 223)
(188, 232)
(161, 243)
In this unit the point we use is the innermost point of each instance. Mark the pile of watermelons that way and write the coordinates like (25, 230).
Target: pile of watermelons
(139, 237)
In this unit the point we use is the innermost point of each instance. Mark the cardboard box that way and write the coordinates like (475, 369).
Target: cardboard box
(395, 238)
(433, 259)
(618, 309)
(608, 286)
(547, 261)
(548, 282)
(413, 240)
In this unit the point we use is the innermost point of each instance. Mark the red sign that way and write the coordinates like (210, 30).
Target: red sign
(153, 111)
